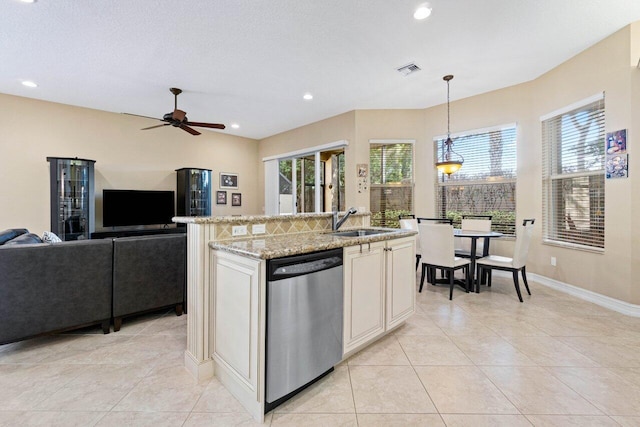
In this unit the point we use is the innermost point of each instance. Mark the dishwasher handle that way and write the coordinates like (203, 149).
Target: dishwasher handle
(284, 268)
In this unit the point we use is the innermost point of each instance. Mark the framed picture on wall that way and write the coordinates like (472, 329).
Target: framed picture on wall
(221, 197)
(228, 180)
(236, 199)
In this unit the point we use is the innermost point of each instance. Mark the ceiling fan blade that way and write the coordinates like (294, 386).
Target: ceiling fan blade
(156, 126)
(188, 129)
(138, 115)
(179, 115)
(207, 125)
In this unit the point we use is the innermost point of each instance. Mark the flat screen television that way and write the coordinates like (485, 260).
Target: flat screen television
(137, 207)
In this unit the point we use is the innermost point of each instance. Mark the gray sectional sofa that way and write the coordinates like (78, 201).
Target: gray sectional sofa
(54, 287)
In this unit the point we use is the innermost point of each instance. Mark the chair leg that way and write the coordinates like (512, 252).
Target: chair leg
(424, 269)
(479, 273)
(489, 275)
(515, 282)
(451, 281)
(524, 279)
(467, 278)
(418, 261)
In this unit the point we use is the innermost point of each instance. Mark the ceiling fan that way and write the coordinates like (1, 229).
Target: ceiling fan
(178, 118)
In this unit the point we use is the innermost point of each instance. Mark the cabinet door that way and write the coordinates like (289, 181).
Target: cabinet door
(237, 318)
(401, 280)
(363, 294)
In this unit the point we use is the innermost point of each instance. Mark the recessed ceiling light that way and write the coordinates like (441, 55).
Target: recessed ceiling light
(29, 83)
(235, 125)
(422, 12)
(308, 96)
(28, 1)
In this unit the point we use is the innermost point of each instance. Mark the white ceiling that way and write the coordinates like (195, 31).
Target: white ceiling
(250, 61)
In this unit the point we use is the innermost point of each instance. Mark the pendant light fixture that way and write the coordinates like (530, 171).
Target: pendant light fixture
(450, 161)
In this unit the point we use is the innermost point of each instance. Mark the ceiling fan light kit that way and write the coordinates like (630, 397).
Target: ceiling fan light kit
(178, 118)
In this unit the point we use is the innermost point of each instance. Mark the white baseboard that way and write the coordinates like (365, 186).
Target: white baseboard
(594, 297)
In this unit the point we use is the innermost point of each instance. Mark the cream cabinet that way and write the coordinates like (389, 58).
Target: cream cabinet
(401, 281)
(379, 290)
(238, 327)
(364, 294)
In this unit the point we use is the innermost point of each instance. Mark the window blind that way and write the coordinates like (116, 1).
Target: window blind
(486, 184)
(573, 176)
(391, 182)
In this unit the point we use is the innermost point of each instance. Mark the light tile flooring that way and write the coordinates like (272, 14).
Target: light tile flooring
(479, 360)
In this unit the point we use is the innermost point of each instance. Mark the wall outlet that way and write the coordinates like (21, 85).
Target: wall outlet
(258, 229)
(239, 230)
(553, 261)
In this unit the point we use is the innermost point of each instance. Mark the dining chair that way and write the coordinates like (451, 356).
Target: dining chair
(436, 241)
(436, 221)
(409, 222)
(477, 223)
(515, 264)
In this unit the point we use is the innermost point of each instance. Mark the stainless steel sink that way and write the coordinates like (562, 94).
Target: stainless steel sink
(360, 232)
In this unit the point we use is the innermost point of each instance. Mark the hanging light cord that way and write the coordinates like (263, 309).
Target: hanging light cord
(448, 113)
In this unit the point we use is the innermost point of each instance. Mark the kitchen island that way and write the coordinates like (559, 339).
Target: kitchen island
(226, 289)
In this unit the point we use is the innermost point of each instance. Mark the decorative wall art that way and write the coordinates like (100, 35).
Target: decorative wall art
(236, 199)
(363, 173)
(228, 180)
(221, 197)
(617, 159)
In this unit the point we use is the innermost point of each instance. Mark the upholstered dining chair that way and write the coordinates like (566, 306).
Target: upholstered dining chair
(436, 241)
(515, 264)
(409, 222)
(436, 221)
(477, 223)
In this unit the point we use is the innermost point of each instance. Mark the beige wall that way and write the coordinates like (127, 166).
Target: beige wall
(126, 158)
(333, 129)
(609, 66)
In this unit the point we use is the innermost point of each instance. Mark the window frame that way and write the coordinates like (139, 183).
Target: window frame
(554, 232)
(442, 182)
(392, 221)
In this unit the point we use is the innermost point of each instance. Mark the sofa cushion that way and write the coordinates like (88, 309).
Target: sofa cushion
(148, 272)
(46, 288)
(24, 239)
(49, 237)
(10, 234)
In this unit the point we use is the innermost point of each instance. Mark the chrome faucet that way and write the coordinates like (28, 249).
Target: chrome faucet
(335, 224)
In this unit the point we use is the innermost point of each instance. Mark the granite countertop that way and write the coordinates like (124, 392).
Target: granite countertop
(277, 246)
(253, 218)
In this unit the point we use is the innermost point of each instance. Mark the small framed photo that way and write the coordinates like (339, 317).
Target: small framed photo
(236, 199)
(228, 180)
(221, 197)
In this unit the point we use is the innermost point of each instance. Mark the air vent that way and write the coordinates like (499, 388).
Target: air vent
(405, 70)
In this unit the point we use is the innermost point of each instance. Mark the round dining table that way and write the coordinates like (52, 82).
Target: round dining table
(474, 235)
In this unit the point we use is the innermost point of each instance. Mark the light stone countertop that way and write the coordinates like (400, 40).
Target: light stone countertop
(283, 245)
(254, 218)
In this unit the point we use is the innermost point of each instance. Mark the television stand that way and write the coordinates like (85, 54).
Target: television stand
(134, 233)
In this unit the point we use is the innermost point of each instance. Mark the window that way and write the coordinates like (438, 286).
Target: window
(486, 184)
(573, 175)
(391, 177)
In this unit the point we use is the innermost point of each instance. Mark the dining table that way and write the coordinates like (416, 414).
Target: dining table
(474, 235)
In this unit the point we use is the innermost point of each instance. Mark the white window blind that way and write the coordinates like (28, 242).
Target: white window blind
(573, 176)
(391, 182)
(486, 184)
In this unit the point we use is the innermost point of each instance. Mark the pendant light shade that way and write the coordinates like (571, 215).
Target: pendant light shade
(450, 161)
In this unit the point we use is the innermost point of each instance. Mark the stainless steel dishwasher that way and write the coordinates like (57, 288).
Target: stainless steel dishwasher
(304, 322)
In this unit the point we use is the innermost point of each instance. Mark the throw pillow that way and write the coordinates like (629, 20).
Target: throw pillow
(49, 237)
(10, 234)
(24, 239)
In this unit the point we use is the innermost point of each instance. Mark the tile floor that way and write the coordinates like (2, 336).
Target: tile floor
(479, 360)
